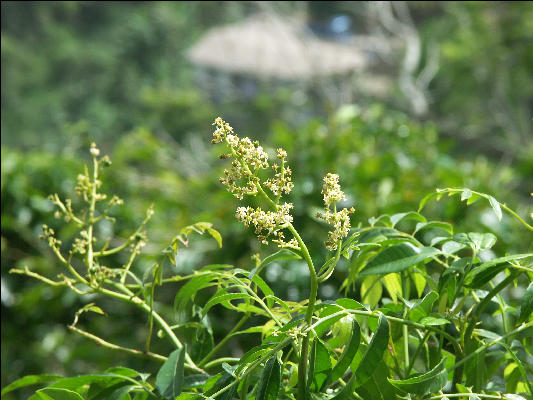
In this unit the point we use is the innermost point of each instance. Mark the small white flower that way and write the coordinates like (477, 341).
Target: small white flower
(340, 219)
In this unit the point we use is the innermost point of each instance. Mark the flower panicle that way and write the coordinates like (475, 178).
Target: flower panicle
(242, 178)
(340, 220)
(267, 223)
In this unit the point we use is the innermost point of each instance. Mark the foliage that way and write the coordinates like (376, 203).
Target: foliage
(422, 312)
(478, 44)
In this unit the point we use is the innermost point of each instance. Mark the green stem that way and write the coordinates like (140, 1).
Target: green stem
(487, 345)
(304, 353)
(420, 345)
(252, 367)
(485, 196)
(458, 374)
(176, 278)
(112, 346)
(129, 241)
(219, 361)
(483, 303)
(130, 297)
(371, 314)
(405, 329)
(92, 208)
(326, 274)
(203, 362)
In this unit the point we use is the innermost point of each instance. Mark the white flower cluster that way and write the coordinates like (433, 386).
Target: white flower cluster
(242, 178)
(339, 219)
(332, 190)
(249, 158)
(266, 223)
(281, 182)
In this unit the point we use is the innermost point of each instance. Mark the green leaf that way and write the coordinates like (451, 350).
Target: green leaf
(253, 354)
(196, 380)
(430, 382)
(486, 271)
(119, 393)
(169, 380)
(327, 318)
(398, 258)
(369, 361)
(412, 215)
(371, 290)
(264, 288)
(29, 380)
(422, 307)
(320, 362)
(187, 292)
(444, 226)
(222, 297)
(349, 304)
(452, 247)
(472, 199)
(426, 198)
(215, 235)
(420, 283)
(76, 382)
(374, 352)
(284, 254)
(466, 194)
(270, 380)
(482, 241)
(527, 304)
(347, 354)
(56, 394)
(222, 382)
(496, 207)
(393, 284)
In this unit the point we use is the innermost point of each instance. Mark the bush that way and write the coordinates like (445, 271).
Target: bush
(422, 311)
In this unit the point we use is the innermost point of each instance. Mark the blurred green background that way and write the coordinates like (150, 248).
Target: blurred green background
(435, 94)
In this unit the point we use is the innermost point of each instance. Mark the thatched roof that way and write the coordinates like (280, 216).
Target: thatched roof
(269, 46)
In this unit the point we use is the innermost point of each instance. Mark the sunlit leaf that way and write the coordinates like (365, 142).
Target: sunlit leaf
(398, 258)
(216, 235)
(371, 290)
(349, 303)
(496, 207)
(482, 241)
(466, 194)
(320, 362)
(347, 354)
(420, 283)
(393, 284)
(369, 361)
(431, 321)
(422, 307)
(412, 215)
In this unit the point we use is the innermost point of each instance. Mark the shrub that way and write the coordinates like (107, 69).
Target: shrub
(422, 313)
